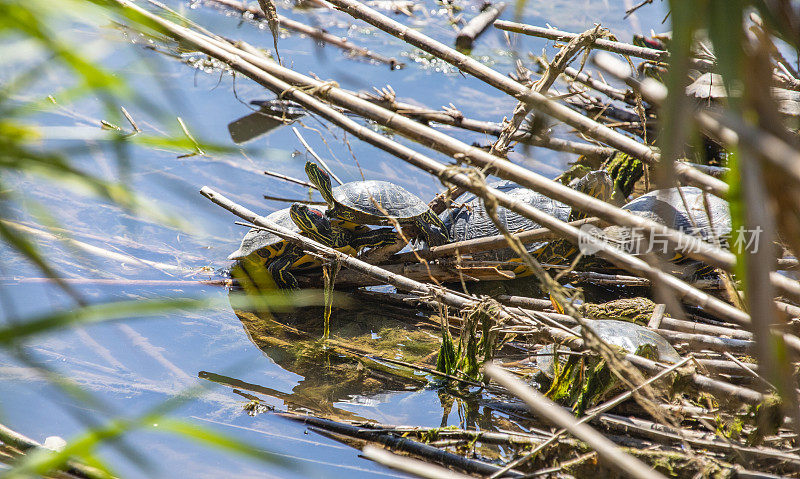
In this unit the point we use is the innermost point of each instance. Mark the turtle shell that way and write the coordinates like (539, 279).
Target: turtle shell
(257, 238)
(668, 208)
(472, 221)
(394, 201)
(628, 336)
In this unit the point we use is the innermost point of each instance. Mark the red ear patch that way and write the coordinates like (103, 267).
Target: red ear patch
(318, 213)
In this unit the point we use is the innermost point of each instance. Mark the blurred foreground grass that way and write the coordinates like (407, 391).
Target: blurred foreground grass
(34, 38)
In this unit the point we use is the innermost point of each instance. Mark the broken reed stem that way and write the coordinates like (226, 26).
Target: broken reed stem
(559, 416)
(621, 48)
(289, 179)
(562, 59)
(313, 153)
(475, 27)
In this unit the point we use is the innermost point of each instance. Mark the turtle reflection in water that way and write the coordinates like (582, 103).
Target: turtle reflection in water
(339, 371)
(582, 380)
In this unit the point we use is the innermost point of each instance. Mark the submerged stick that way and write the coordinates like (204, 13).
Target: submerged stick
(399, 443)
(409, 465)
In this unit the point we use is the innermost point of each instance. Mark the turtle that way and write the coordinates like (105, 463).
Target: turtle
(264, 260)
(623, 334)
(377, 203)
(680, 208)
(581, 380)
(471, 220)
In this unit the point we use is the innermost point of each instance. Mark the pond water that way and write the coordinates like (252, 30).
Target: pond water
(132, 365)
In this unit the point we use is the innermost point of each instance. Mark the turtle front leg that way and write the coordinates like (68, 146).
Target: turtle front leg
(433, 230)
(376, 238)
(279, 269)
(383, 242)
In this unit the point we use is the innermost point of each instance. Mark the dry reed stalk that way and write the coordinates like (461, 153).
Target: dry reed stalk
(562, 59)
(621, 48)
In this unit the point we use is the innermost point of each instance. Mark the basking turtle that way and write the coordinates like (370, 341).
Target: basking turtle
(581, 381)
(683, 210)
(623, 334)
(472, 221)
(376, 202)
(264, 260)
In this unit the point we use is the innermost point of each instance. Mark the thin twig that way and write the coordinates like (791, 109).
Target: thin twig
(313, 153)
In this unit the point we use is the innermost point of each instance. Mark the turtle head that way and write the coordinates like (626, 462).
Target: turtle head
(596, 183)
(322, 180)
(312, 222)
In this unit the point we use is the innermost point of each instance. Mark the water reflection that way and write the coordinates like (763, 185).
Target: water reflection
(346, 367)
